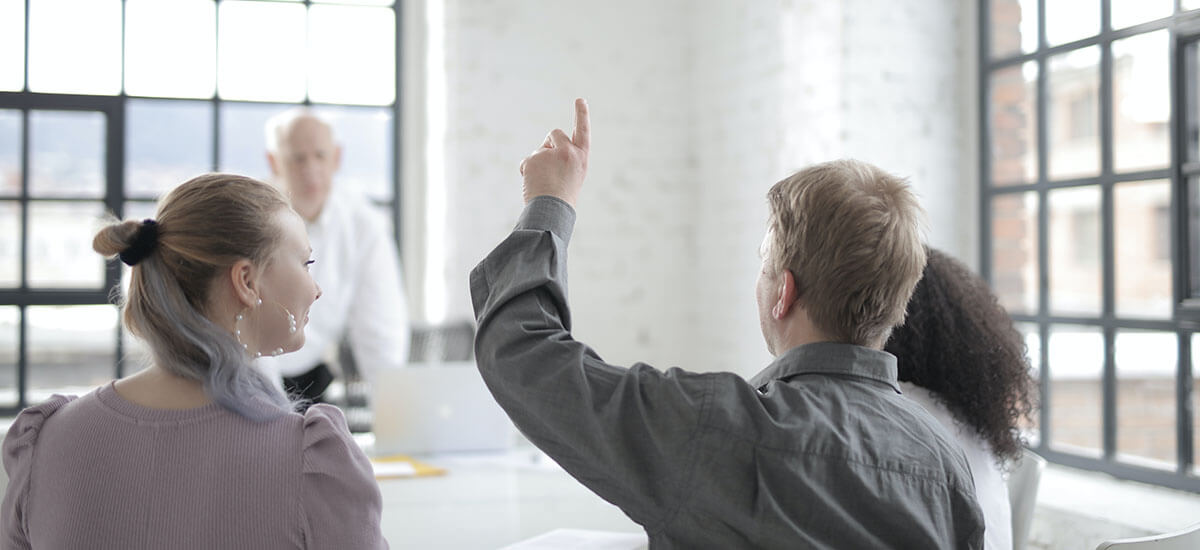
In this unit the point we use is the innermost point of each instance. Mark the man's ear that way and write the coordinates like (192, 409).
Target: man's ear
(243, 278)
(337, 157)
(787, 295)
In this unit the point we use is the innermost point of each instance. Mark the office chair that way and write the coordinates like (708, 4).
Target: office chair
(444, 342)
(1185, 539)
(1022, 495)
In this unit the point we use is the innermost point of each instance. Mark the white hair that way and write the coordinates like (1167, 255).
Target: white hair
(281, 123)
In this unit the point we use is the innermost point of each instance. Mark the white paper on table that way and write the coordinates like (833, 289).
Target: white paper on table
(583, 539)
(393, 468)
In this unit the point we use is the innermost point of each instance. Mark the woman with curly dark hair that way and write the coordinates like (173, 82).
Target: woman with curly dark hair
(961, 357)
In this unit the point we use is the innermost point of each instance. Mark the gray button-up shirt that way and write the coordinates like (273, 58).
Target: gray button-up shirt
(820, 450)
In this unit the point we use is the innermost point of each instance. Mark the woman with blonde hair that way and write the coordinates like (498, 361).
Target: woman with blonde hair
(198, 450)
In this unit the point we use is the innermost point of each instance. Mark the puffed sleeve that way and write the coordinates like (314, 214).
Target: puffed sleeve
(338, 492)
(18, 464)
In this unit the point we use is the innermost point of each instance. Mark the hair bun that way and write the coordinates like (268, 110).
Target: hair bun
(115, 237)
(130, 239)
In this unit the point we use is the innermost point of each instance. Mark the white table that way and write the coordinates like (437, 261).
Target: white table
(489, 501)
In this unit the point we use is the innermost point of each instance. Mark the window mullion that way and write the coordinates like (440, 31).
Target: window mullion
(1109, 380)
(1184, 405)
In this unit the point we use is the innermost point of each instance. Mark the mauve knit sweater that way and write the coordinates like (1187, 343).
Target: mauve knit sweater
(101, 472)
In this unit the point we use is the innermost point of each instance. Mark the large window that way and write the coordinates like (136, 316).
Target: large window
(1091, 164)
(107, 104)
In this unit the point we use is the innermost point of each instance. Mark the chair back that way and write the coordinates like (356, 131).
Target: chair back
(1022, 495)
(1185, 539)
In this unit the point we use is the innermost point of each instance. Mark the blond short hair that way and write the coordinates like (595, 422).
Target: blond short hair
(851, 235)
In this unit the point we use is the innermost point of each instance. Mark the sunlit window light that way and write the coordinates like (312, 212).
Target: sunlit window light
(435, 163)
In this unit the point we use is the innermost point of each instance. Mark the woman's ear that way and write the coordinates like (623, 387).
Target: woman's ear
(244, 281)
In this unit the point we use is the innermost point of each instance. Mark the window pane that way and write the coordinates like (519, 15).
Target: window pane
(353, 55)
(357, 2)
(1193, 246)
(1074, 114)
(12, 45)
(1195, 403)
(10, 244)
(1191, 4)
(243, 138)
(167, 143)
(140, 210)
(170, 48)
(1033, 347)
(1142, 248)
(60, 245)
(1014, 124)
(1127, 13)
(1075, 251)
(75, 46)
(66, 153)
(1076, 401)
(10, 153)
(1014, 27)
(1141, 103)
(1190, 117)
(1146, 365)
(1070, 20)
(72, 349)
(261, 51)
(10, 317)
(1014, 251)
(365, 135)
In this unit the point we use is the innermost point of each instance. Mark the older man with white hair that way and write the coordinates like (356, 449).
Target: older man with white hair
(356, 261)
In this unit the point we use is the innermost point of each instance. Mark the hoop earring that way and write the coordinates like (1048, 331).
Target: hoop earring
(237, 332)
(291, 326)
(291, 320)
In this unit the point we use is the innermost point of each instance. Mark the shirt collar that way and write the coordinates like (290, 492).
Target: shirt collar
(831, 358)
(323, 219)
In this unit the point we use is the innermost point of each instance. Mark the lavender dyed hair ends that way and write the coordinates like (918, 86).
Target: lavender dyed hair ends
(204, 226)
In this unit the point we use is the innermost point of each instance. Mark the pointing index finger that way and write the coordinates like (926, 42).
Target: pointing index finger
(583, 126)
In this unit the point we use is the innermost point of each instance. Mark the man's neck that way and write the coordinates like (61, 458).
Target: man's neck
(315, 215)
(797, 330)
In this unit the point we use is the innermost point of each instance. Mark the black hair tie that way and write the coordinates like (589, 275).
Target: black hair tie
(143, 243)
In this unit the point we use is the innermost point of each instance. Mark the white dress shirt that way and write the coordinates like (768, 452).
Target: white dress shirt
(991, 489)
(362, 294)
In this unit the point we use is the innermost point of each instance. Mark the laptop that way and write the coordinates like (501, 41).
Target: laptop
(428, 408)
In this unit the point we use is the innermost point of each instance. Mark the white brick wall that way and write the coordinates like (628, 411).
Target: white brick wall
(766, 81)
(514, 68)
(698, 107)
(910, 85)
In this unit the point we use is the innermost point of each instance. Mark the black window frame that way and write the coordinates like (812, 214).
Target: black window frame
(1183, 322)
(114, 108)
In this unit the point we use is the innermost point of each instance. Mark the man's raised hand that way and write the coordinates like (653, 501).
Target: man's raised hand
(559, 166)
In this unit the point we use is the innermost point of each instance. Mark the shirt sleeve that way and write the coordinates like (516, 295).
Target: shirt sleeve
(378, 325)
(18, 464)
(338, 493)
(626, 434)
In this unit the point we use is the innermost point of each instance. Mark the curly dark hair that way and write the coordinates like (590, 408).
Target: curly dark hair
(961, 345)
